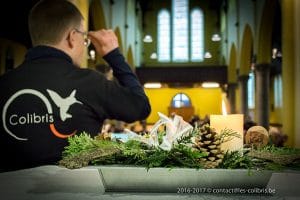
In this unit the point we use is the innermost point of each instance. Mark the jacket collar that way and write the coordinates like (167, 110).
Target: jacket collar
(40, 52)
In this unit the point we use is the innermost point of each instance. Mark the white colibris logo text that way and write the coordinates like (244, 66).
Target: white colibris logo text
(32, 118)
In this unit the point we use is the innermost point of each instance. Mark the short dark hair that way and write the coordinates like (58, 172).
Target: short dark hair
(49, 19)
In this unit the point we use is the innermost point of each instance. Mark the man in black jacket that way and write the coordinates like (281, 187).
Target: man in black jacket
(48, 98)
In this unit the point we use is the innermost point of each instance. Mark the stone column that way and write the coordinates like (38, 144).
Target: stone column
(243, 85)
(291, 70)
(297, 72)
(83, 7)
(231, 96)
(262, 80)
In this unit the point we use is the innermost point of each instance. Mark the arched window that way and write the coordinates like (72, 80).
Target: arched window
(164, 36)
(186, 32)
(181, 100)
(180, 30)
(278, 91)
(251, 91)
(197, 35)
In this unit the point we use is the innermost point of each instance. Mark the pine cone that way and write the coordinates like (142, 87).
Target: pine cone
(207, 141)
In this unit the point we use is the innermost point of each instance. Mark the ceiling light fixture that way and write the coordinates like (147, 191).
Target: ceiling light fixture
(92, 54)
(216, 37)
(152, 85)
(210, 85)
(207, 55)
(148, 39)
(153, 56)
(274, 53)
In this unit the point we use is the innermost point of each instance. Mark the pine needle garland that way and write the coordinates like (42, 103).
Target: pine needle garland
(200, 148)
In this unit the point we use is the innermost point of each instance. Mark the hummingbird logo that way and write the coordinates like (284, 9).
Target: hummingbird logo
(63, 103)
(33, 118)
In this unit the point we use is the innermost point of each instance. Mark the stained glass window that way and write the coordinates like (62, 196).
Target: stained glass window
(197, 34)
(180, 30)
(278, 91)
(181, 100)
(164, 36)
(183, 39)
(251, 91)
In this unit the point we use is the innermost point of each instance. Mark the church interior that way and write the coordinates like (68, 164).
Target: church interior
(192, 55)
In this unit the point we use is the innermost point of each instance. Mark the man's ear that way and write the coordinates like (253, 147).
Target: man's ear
(71, 39)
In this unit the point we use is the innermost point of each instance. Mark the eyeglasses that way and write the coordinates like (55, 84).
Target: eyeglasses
(87, 41)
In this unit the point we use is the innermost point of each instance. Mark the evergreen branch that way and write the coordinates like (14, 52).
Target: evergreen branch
(235, 160)
(227, 135)
(83, 150)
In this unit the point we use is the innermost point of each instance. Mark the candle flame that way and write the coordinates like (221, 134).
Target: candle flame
(224, 112)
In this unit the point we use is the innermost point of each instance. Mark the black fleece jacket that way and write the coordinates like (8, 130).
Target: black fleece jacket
(48, 98)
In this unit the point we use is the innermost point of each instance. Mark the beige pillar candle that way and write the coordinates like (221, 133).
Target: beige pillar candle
(234, 122)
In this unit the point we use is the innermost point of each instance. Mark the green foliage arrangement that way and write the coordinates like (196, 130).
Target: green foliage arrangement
(78, 144)
(279, 150)
(277, 158)
(236, 160)
(84, 150)
(129, 153)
